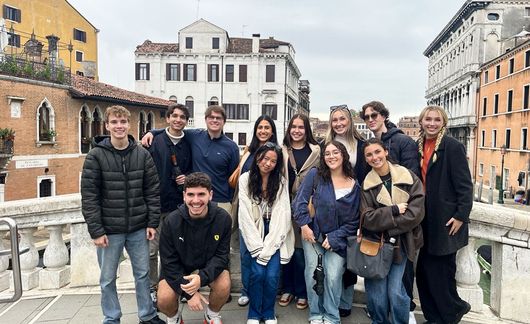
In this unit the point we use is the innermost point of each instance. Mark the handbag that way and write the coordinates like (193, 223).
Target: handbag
(367, 258)
(234, 177)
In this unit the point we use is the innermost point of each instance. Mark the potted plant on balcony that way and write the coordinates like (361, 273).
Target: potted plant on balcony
(7, 137)
(50, 134)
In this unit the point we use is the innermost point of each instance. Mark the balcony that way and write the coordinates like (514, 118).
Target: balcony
(18, 66)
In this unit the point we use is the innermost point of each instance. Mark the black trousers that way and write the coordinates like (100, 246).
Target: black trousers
(408, 282)
(435, 277)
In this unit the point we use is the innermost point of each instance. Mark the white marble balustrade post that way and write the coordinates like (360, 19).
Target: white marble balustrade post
(56, 273)
(4, 264)
(30, 260)
(468, 276)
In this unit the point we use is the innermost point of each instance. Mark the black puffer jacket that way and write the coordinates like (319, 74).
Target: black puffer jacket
(402, 149)
(119, 189)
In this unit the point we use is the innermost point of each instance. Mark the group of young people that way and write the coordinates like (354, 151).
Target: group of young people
(293, 208)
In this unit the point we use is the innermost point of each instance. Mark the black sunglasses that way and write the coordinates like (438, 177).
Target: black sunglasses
(372, 116)
(339, 107)
(272, 146)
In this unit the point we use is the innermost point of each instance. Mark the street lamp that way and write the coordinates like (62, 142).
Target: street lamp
(501, 189)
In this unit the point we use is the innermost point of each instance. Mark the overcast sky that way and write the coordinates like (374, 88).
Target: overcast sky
(351, 51)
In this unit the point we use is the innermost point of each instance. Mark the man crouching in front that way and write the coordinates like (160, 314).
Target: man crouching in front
(194, 252)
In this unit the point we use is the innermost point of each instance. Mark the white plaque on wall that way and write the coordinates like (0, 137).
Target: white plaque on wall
(26, 164)
(15, 108)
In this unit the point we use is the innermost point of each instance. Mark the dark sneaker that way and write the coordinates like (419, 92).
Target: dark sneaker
(344, 312)
(154, 320)
(463, 312)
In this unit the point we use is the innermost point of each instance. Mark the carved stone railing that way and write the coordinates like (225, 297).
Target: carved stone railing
(507, 229)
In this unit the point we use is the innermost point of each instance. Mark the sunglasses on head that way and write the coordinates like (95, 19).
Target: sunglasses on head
(372, 116)
(339, 107)
(272, 146)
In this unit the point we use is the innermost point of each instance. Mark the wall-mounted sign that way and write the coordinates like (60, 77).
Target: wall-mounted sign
(26, 164)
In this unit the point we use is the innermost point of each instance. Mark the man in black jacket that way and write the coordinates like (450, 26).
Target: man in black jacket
(194, 252)
(403, 151)
(171, 153)
(120, 204)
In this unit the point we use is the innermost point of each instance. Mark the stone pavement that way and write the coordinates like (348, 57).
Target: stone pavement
(81, 306)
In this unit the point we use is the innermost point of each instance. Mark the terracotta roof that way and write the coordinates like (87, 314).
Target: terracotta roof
(236, 45)
(83, 87)
(150, 47)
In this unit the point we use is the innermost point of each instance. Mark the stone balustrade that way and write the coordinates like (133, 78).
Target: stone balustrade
(507, 229)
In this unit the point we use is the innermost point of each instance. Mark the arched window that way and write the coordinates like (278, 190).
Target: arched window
(142, 121)
(214, 101)
(189, 105)
(97, 123)
(173, 98)
(150, 121)
(46, 122)
(84, 127)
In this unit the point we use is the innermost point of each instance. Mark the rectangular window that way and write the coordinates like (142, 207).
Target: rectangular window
(213, 72)
(526, 94)
(486, 76)
(270, 110)
(11, 13)
(509, 101)
(190, 72)
(484, 106)
(242, 139)
(189, 42)
(242, 111)
(242, 73)
(236, 111)
(230, 110)
(13, 39)
(230, 136)
(527, 59)
(269, 73)
(172, 72)
(497, 72)
(511, 65)
(496, 104)
(79, 35)
(494, 138)
(481, 169)
(142, 71)
(215, 43)
(483, 138)
(189, 105)
(524, 139)
(527, 11)
(508, 138)
(78, 56)
(79, 73)
(229, 73)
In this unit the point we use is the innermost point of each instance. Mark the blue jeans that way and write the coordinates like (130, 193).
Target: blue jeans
(137, 247)
(346, 298)
(246, 260)
(262, 286)
(388, 296)
(325, 307)
(293, 282)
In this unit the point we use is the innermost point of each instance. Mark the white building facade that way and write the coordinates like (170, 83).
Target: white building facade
(248, 76)
(472, 37)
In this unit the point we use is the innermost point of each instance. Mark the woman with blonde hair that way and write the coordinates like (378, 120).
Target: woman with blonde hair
(342, 129)
(448, 201)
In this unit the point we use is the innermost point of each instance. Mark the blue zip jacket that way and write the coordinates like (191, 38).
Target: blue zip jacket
(337, 219)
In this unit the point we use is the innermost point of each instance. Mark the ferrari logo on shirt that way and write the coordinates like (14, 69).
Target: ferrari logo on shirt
(216, 237)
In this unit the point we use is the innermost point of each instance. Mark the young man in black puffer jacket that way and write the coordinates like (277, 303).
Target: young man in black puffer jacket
(121, 206)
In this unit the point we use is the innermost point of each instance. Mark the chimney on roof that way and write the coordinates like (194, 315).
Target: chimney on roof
(255, 43)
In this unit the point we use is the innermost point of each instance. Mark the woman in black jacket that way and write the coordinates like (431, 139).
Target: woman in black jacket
(448, 201)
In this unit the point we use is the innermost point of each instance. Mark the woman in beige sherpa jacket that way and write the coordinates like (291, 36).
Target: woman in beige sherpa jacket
(265, 224)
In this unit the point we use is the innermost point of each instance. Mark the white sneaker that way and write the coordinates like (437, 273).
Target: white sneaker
(271, 321)
(243, 301)
(412, 318)
(208, 319)
(252, 321)
(316, 322)
(174, 320)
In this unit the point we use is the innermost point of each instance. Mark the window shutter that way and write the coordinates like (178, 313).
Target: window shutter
(18, 15)
(178, 72)
(137, 71)
(147, 72)
(209, 73)
(217, 73)
(168, 72)
(194, 72)
(4, 14)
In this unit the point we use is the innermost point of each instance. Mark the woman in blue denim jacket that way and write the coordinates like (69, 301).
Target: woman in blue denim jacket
(335, 197)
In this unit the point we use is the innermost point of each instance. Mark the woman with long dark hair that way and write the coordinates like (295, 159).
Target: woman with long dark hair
(342, 129)
(334, 194)
(301, 152)
(265, 224)
(392, 207)
(264, 131)
(448, 201)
